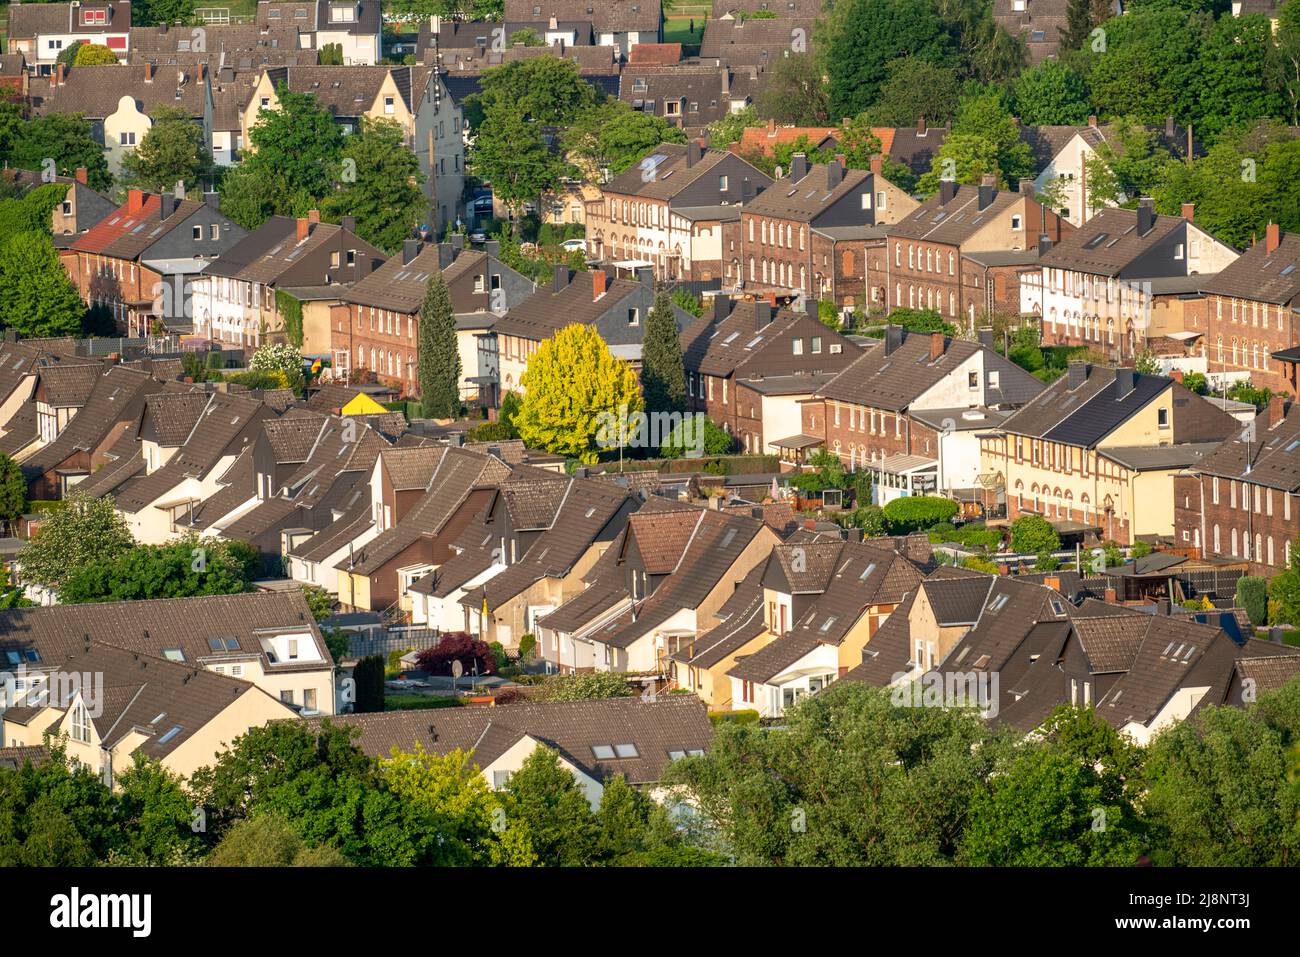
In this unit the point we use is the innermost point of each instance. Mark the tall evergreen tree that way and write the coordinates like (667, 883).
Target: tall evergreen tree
(663, 374)
(439, 357)
(1081, 16)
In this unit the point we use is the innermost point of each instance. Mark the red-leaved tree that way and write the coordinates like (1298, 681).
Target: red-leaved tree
(457, 646)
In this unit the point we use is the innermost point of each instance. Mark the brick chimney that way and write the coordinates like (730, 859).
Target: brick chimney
(1272, 238)
(1092, 120)
(1189, 211)
(303, 228)
(1176, 375)
(810, 524)
(134, 200)
(920, 126)
(936, 345)
(58, 76)
(82, 175)
(599, 283)
(1276, 410)
(148, 73)
(877, 165)
(1109, 595)
(313, 216)
(1052, 582)
(771, 127)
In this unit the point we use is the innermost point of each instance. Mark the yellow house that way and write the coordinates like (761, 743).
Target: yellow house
(106, 704)
(1096, 452)
(349, 93)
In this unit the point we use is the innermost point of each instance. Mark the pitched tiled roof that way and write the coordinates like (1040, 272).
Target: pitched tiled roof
(765, 139)
(674, 724)
(741, 622)
(955, 221)
(671, 174)
(1108, 242)
(68, 383)
(737, 345)
(97, 91)
(607, 16)
(1171, 650)
(1260, 275)
(400, 286)
(270, 251)
(755, 42)
(29, 20)
(806, 199)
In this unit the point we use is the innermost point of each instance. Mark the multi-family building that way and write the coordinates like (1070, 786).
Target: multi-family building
(808, 233)
(689, 95)
(669, 211)
(41, 31)
(1096, 452)
(621, 24)
(1110, 284)
(927, 265)
(354, 26)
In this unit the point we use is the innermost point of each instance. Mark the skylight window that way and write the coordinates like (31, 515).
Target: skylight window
(998, 603)
(1096, 241)
(173, 654)
(626, 751)
(728, 538)
(826, 625)
(866, 572)
(175, 730)
(603, 752)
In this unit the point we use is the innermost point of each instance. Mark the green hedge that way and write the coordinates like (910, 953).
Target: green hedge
(746, 716)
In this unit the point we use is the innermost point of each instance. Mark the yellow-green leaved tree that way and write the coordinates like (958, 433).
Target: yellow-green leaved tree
(575, 394)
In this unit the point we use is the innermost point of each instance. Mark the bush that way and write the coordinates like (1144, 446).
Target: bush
(1252, 595)
(1047, 562)
(527, 644)
(980, 565)
(458, 646)
(746, 716)
(491, 432)
(977, 536)
(1033, 534)
(368, 679)
(917, 512)
(588, 685)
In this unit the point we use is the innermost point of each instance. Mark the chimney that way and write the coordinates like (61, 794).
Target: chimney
(1077, 374)
(986, 337)
(59, 78)
(920, 126)
(1027, 188)
(746, 190)
(1092, 121)
(446, 255)
(810, 524)
(148, 73)
(811, 308)
(771, 127)
(313, 216)
(1169, 127)
(1124, 382)
(893, 339)
(560, 278)
(721, 308)
(988, 186)
(599, 281)
(493, 248)
(646, 276)
(302, 230)
(877, 165)
(410, 248)
(82, 175)
(936, 345)
(1189, 212)
(1053, 582)
(693, 153)
(348, 223)
(458, 241)
(168, 205)
(834, 173)
(798, 167)
(1109, 595)
(1272, 238)
(1146, 216)
(1276, 410)
(1176, 375)
(134, 200)
(212, 199)
(1044, 244)
(947, 191)
(762, 314)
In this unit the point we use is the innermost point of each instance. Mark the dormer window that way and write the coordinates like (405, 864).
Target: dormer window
(79, 727)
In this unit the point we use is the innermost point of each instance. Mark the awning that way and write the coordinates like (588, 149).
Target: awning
(905, 464)
(798, 442)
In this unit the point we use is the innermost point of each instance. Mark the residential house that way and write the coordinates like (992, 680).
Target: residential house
(268, 639)
(1039, 22)
(1247, 326)
(912, 407)
(376, 328)
(926, 266)
(701, 664)
(781, 9)
(1095, 452)
(689, 95)
(41, 31)
(618, 309)
(660, 587)
(1109, 284)
(596, 740)
(1239, 500)
(463, 67)
(668, 211)
(440, 148)
(140, 261)
(809, 233)
(824, 602)
(14, 75)
(120, 101)
(756, 42)
(749, 366)
(621, 24)
(348, 93)
(240, 299)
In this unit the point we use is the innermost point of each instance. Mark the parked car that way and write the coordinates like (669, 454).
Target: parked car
(478, 236)
(574, 245)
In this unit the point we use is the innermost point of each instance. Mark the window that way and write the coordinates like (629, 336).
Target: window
(127, 138)
(308, 699)
(816, 345)
(1162, 418)
(796, 347)
(500, 779)
(214, 232)
(265, 103)
(388, 104)
(722, 184)
(286, 697)
(633, 317)
(603, 752)
(198, 233)
(973, 380)
(80, 729)
(626, 750)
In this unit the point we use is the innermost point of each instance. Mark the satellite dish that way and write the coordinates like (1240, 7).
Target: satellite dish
(457, 669)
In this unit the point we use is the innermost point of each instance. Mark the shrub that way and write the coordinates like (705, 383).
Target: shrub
(917, 512)
(458, 646)
(1047, 562)
(1139, 550)
(592, 684)
(368, 678)
(747, 716)
(527, 643)
(1033, 534)
(1252, 595)
(980, 565)
(977, 536)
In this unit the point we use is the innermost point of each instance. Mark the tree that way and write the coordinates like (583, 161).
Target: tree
(543, 796)
(39, 299)
(612, 137)
(368, 679)
(545, 90)
(917, 512)
(87, 532)
(172, 150)
(331, 54)
(988, 116)
(94, 54)
(1285, 59)
(381, 185)
(1284, 589)
(1081, 18)
(13, 490)
(156, 815)
(1233, 82)
(697, 435)
(967, 157)
(916, 89)
(727, 130)
(1147, 67)
(795, 92)
(148, 13)
(1052, 93)
(577, 397)
(663, 372)
(58, 814)
(586, 686)
(474, 655)
(67, 139)
(1033, 535)
(860, 38)
(509, 152)
(184, 568)
(439, 356)
(1252, 595)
